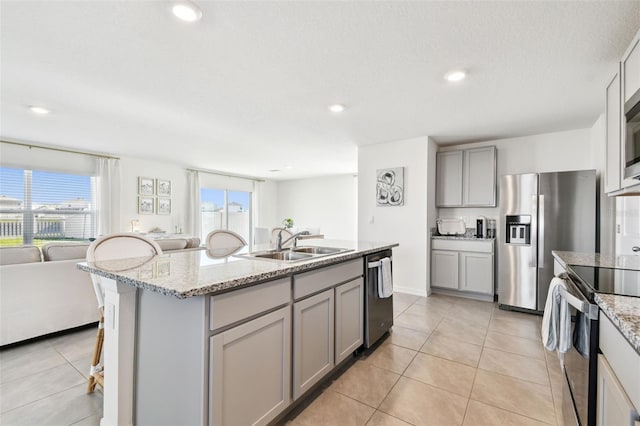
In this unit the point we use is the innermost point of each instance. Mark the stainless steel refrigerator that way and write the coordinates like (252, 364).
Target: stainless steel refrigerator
(541, 212)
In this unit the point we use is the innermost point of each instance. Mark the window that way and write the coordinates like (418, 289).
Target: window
(226, 209)
(37, 207)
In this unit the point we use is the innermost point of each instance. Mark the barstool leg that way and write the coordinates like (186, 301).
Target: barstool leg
(97, 352)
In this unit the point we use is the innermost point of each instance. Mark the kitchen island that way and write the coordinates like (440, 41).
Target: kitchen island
(193, 340)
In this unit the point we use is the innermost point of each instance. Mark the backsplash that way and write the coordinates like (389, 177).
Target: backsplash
(469, 233)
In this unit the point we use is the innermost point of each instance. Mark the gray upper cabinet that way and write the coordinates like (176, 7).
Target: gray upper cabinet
(613, 124)
(449, 179)
(466, 178)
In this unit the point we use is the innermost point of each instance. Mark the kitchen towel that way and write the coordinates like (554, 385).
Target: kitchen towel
(385, 280)
(556, 320)
(581, 334)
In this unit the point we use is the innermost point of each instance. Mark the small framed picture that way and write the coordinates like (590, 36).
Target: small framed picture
(163, 187)
(146, 205)
(145, 186)
(164, 205)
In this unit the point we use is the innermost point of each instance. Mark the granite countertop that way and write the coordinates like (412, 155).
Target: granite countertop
(459, 237)
(193, 273)
(596, 259)
(624, 312)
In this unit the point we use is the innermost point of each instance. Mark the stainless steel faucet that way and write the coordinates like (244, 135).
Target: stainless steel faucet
(294, 237)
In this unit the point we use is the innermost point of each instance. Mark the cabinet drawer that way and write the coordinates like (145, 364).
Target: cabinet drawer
(623, 359)
(320, 279)
(228, 308)
(463, 245)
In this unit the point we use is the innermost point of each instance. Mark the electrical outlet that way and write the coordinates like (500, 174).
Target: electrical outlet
(110, 315)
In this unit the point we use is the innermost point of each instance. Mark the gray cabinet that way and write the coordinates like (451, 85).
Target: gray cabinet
(313, 340)
(631, 68)
(613, 404)
(613, 123)
(449, 178)
(466, 178)
(251, 362)
(444, 269)
(476, 272)
(349, 318)
(463, 266)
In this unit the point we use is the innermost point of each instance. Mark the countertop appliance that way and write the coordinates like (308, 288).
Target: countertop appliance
(540, 212)
(450, 226)
(378, 312)
(481, 227)
(632, 137)
(579, 397)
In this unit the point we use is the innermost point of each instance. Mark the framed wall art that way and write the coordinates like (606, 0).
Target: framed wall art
(146, 186)
(164, 205)
(146, 205)
(390, 187)
(163, 187)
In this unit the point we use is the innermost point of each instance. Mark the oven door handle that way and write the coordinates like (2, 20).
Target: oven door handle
(578, 302)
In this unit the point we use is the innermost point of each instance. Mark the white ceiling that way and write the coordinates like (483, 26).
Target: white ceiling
(246, 89)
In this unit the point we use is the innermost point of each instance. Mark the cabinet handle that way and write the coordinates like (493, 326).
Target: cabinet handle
(635, 249)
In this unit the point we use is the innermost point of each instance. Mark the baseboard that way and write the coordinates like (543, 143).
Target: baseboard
(409, 290)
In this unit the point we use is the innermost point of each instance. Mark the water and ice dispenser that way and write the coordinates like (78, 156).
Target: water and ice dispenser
(518, 229)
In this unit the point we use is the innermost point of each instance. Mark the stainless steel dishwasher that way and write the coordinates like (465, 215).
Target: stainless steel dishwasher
(378, 312)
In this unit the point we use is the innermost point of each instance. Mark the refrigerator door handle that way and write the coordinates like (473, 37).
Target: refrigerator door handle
(541, 231)
(534, 230)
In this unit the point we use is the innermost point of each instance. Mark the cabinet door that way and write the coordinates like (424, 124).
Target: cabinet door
(613, 124)
(444, 269)
(251, 362)
(476, 272)
(349, 318)
(631, 68)
(449, 178)
(313, 339)
(480, 176)
(613, 405)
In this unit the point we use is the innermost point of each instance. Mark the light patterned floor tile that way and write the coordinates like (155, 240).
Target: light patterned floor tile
(414, 322)
(462, 332)
(365, 383)
(331, 409)
(511, 394)
(29, 363)
(391, 357)
(381, 419)
(479, 414)
(444, 374)
(452, 349)
(518, 366)
(406, 337)
(528, 328)
(514, 344)
(421, 404)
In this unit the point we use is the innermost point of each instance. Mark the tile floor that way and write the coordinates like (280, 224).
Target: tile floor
(448, 361)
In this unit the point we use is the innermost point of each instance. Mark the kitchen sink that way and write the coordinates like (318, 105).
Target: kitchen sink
(293, 255)
(318, 250)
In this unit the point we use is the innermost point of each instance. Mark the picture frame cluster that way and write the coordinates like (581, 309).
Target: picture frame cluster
(154, 195)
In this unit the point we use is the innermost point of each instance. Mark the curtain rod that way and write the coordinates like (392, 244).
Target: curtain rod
(70, 151)
(212, 172)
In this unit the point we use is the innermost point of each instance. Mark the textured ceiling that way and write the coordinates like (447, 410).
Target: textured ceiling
(246, 89)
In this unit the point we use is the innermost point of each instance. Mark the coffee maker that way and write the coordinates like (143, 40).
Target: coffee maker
(481, 227)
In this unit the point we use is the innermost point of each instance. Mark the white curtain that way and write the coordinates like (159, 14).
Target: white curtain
(193, 203)
(108, 196)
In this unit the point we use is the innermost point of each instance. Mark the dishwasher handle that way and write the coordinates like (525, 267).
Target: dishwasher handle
(376, 264)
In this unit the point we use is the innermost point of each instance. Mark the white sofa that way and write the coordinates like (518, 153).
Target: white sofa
(43, 291)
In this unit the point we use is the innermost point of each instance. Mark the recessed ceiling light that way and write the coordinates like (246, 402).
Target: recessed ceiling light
(186, 11)
(336, 108)
(274, 170)
(288, 167)
(456, 75)
(39, 110)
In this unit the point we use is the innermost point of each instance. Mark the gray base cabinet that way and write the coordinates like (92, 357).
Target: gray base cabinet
(313, 340)
(614, 407)
(251, 362)
(349, 318)
(463, 266)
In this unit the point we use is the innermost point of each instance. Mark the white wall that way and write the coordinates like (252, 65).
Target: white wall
(328, 203)
(407, 224)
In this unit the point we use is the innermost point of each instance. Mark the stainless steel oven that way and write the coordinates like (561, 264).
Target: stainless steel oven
(579, 364)
(632, 136)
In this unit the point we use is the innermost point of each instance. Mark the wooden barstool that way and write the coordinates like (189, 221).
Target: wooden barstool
(111, 247)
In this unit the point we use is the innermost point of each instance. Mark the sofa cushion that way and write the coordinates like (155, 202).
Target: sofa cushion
(193, 242)
(169, 244)
(64, 251)
(22, 254)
